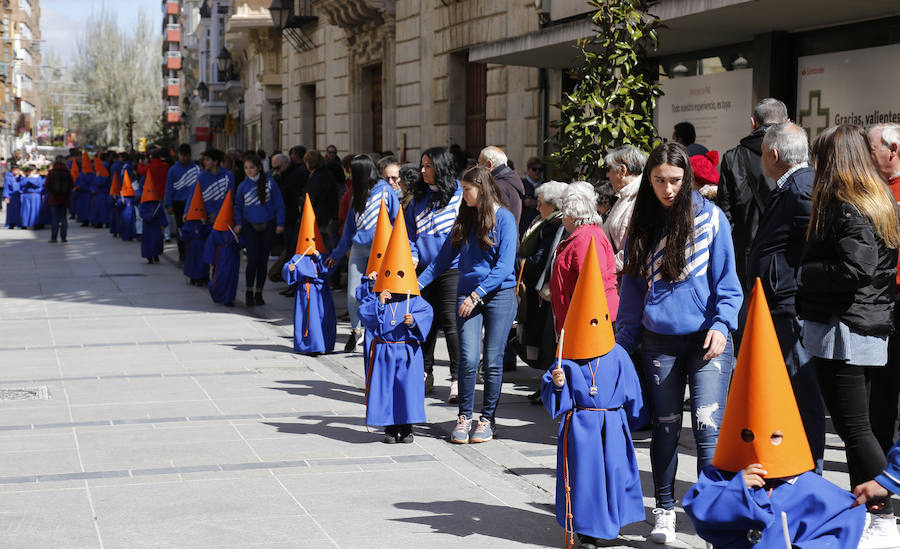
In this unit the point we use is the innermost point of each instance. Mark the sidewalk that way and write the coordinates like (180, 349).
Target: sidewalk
(134, 412)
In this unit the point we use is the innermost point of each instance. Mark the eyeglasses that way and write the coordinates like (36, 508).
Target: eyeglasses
(394, 178)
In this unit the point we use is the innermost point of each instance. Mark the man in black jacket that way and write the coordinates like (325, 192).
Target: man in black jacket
(774, 257)
(508, 181)
(744, 189)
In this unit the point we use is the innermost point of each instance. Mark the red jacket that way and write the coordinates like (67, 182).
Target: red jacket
(570, 256)
(346, 202)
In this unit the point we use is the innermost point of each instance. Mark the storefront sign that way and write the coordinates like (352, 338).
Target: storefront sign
(718, 105)
(855, 87)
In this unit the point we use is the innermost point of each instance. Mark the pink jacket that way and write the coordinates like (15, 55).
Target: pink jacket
(570, 256)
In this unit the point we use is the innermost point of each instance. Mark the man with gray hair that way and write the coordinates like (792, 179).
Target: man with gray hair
(744, 188)
(884, 144)
(774, 257)
(508, 181)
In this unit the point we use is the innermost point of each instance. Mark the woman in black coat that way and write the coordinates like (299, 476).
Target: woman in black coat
(846, 297)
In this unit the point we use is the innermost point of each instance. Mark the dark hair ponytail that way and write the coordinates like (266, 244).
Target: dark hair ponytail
(262, 180)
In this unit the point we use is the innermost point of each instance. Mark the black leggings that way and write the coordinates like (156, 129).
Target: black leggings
(845, 390)
(259, 244)
(441, 295)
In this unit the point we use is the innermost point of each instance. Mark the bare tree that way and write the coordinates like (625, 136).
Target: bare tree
(119, 69)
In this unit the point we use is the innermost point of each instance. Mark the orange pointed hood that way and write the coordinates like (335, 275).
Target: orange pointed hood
(99, 168)
(589, 332)
(760, 403)
(149, 193)
(397, 274)
(115, 188)
(380, 240)
(309, 239)
(225, 217)
(74, 169)
(127, 188)
(86, 166)
(198, 209)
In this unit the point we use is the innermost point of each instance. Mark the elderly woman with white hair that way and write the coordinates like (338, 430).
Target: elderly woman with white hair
(582, 222)
(624, 167)
(538, 244)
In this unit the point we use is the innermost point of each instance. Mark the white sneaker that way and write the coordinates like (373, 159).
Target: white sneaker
(454, 392)
(880, 533)
(664, 526)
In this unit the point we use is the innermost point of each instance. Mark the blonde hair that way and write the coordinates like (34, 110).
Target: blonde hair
(845, 172)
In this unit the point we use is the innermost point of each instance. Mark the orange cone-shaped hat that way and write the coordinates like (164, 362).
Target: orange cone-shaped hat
(225, 217)
(761, 404)
(589, 332)
(74, 169)
(198, 209)
(397, 274)
(380, 240)
(127, 188)
(99, 168)
(115, 188)
(86, 166)
(308, 239)
(149, 192)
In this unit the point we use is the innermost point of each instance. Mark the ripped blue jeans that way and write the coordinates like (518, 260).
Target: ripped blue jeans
(669, 362)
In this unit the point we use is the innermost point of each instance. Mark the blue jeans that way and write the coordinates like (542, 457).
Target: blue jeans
(669, 361)
(356, 265)
(496, 315)
(59, 223)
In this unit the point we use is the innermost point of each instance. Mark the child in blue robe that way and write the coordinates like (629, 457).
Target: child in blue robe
(728, 513)
(194, 234)
(395, 377)
(595, 456)
(83, 198)
(363, 292)
(126, 217)
(315, 326)
(12, 195)
(44, 211)
(222, 250)
(114, 214)
(154, 218)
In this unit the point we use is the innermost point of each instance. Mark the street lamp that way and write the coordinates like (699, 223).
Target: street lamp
(223, 62)
(202, 91)
(280, 13)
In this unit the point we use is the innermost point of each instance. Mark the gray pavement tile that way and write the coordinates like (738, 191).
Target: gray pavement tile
(153, 456)
(28, 524)
(175, 470)
(143, 410)
(82, 475)
(55, 460)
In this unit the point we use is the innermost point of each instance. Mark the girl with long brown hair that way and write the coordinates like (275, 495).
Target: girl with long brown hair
(846, 299)
(483, 242)
(680, 300)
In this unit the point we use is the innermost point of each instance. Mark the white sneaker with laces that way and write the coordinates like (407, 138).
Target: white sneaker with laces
(664, 526)
(880, 532)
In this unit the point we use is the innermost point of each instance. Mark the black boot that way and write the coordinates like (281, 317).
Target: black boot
(248, 299)
(390, 434)
(405, 434)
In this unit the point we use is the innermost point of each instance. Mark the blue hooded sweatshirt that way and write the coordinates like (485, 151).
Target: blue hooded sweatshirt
(428, 225)
(707, 296)
(248, 207)
(360, 228)
(180, 182)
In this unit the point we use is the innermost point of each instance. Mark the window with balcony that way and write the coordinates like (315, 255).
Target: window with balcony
(25, 6)
(25, 31)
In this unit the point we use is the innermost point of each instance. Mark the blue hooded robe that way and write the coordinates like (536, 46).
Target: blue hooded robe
(395, 377)
(115, 214)
(728, 514)
(223, 252)
(194, 234)
(154, 218)
(83, 197)
(127, 230)
(13, 191)
(315, 326)
(100, 210)
(31, 200)
(594, 448)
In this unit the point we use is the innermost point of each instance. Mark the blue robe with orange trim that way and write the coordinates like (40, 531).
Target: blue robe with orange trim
(194, 234)
(153, 214)
(127, 229)
(595, 454)
(223, 252)
(395, 377)
(363, 291)
(315, 326)
(724, 511)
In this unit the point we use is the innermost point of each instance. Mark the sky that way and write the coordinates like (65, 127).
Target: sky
(63, 20)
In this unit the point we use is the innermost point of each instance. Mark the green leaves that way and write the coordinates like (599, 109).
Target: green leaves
(613, 104)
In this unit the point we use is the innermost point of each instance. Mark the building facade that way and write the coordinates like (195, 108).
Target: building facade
(20, 72)
(172, 60)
